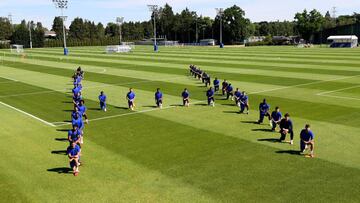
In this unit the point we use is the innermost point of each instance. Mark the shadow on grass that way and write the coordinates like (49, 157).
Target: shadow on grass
(61, 152)
(62, 130)
(150, 106)
(234, 112)
(200, 105)
(68, 110)
(121, 107)
(262, 130)
(228, 104)
(269, 140)
(60, 170)
(180, 105)
(61, 139)
(250, 122)
(291, 152)
(94, 109)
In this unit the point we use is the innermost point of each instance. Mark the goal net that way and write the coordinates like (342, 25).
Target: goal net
(118, 49)
(16, 48)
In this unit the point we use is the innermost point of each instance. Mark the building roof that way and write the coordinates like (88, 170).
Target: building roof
(344, 37)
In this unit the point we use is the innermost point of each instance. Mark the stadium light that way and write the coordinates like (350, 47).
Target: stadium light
(120, 21)
(62, 4)
(29, 25)
(154, 9)
(220, 13)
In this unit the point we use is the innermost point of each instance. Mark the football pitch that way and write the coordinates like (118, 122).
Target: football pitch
(178, 154)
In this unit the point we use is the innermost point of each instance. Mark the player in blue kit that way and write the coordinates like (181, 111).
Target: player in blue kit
(76, 90)
(77, 121)
(275, 118)
(244, 103)
(158, 98)
(229, 92)
(76, 99)
(286, 127)
(216, 84)
(210, 95)
(224, 87)
(82, 110)
(237, 97)
(186, 98)
(264, 112)
(73, 152)
(307, 140)
(75, 113)
(130, 96)
(102, 100)
(74, 135)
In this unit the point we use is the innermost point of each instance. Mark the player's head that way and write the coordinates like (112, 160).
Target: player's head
(277, 109)
(157, 89)
(102, 92)
(237, 89)
(287, 116)
(225, 80)
(307, 127)
(215, 78)
(130, 89)
(244, 93)
(210, 88)
(75, 127)
(185, 90)
(229, 84)
(264, 100)
(82, 102)
(73, 144)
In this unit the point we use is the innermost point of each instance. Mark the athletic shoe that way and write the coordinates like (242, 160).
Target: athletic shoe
(291, 142)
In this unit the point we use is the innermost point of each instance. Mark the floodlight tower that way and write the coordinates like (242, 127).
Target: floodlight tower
(62, 4)
(30, 28)
(220, 13)
(154, 9)
(120, 21)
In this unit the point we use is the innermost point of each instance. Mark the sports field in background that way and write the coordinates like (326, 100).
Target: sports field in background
(177, 154)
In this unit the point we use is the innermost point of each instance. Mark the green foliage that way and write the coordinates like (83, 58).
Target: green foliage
(58, 27)
(307, 24)
(5, 29)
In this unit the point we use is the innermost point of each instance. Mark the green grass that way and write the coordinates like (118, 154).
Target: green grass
(196, 154)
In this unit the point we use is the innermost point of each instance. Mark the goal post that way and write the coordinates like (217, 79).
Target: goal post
(17, 48)
(118, 49)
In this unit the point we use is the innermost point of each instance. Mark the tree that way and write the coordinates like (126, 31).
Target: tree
(307, 24)
(235, 26)
(5, 29)
(21, 34)
(38, 35)
(78, 30)
(57, 27)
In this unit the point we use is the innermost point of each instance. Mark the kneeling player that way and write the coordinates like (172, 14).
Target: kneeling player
(73, 152)
(229, 92)
(216, 84)
(74, 135)
(158, 98)
(82, 111)
(210, 95)
(224, 87)
(275, 118)
(307, 140)
(130, 96)
(264, 111)
(244, 103)
(286, 127)
(186, 100)
(237, 97)
(102, 100)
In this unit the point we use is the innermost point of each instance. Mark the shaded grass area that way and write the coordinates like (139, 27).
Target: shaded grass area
(226, 168)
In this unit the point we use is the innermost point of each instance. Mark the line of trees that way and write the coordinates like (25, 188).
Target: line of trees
(185, 27)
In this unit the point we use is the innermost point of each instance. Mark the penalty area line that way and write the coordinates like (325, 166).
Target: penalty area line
(28, 114)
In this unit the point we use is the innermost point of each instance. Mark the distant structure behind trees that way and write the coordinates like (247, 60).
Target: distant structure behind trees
(185, 27)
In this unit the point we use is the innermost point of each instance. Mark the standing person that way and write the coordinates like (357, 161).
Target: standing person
(264, 111)
(210, 96)
(275, 118)
(237, 97)
(158, 98)
(216, 83)
(224, 86)
(186, 98)
(244, 103)
(307, 140)
(73, 152)
(102, 100)
(74, 135)
(286, 127)
(130, 97)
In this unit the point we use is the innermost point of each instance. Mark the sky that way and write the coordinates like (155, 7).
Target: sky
(105, 11)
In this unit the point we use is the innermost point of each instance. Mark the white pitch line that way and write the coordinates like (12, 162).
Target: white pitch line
(338, 90)
(340, 97)
(304, 84)
(28, 114)
(126, 114)
(7, 78)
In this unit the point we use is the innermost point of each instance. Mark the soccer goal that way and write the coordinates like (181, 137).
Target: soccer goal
(16, 48)
(118, 49)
